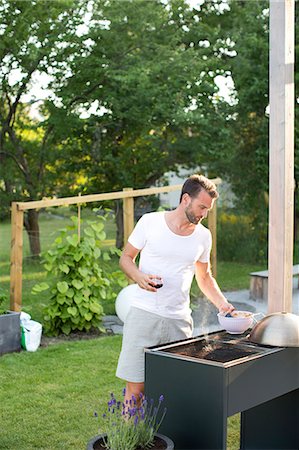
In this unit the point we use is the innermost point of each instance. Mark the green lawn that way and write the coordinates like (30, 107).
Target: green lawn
(48, 397)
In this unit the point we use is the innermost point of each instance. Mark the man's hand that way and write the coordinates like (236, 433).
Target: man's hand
(225, 307)
(146, 281)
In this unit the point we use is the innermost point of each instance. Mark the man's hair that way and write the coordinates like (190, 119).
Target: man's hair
(196, 183)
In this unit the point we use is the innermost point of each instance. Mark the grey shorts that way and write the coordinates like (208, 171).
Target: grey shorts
(145, 329)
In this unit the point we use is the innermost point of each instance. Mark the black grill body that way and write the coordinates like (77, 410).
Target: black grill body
(206, 379)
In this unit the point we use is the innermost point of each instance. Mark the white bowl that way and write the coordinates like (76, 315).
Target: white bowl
(240, 322)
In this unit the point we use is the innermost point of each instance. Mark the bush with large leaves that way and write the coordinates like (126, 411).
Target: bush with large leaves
(82, 279)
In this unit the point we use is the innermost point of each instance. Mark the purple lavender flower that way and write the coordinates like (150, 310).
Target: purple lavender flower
(95, 414)
(136, 421)
(161, 398)
(124, 391)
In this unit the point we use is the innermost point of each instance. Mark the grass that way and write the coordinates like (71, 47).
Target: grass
(232, 276)
(48, 397)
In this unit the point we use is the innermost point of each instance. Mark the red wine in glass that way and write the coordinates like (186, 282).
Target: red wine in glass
(156, 283)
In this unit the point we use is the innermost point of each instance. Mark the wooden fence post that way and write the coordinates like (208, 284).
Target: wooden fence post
(17, 218)
(128, 215)
(212, 224)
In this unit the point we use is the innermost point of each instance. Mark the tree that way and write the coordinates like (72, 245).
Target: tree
(149, 74)
(36, 38)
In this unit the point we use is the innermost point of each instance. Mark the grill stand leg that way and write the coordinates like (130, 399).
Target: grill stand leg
(272, 425)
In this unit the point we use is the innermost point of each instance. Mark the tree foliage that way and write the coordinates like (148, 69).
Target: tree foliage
(133, 96)
(37, 38)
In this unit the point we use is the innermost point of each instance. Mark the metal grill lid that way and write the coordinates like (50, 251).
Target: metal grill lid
(278, 329)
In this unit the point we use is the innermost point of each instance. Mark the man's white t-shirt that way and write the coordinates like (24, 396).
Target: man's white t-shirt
(171, 256)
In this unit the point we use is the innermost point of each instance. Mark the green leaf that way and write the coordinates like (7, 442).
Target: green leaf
(72, 310)
(89, 232)
(122, 282)
(78, 298)
(83, 271)
(73, 240)
(77, 284)
(62, 286)
(75, 320)
(64, 268)
(66, 328)
(106, 256)
(97, 252)
(61, 299)
(37, 288)
(88, 316)
(101, 236)
(86, 292)
(70, 293)
(97, 227)
(96, 308)
(103, 293)
(78, 256)
(91, 242)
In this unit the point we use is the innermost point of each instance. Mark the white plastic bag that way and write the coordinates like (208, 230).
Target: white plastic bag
(31, 333)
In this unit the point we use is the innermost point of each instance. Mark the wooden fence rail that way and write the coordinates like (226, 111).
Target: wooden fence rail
(127, 194)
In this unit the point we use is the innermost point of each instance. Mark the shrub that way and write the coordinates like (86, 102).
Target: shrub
(241, 239)
(82, 280)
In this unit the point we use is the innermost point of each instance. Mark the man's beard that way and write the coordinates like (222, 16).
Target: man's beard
(190, 216)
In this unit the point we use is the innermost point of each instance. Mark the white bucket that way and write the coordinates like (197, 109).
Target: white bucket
(31, 335)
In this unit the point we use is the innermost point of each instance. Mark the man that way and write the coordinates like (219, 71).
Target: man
(173, 246)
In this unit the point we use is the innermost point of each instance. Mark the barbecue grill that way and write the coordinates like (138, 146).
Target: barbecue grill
(206, 379)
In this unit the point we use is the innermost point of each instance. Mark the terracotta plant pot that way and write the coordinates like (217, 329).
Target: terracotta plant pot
(161, 442)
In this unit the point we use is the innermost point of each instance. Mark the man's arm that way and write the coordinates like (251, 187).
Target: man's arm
(209, 287)
(128, 266)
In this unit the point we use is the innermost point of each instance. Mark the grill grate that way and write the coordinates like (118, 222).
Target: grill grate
(213, 351)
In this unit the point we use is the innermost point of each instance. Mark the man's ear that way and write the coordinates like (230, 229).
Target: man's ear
(185, 198)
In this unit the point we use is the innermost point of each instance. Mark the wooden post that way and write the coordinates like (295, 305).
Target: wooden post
(128, 215)
(212, 224)
(281, 185)
(17, 219)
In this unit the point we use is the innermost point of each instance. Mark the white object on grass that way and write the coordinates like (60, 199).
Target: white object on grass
(124, 300)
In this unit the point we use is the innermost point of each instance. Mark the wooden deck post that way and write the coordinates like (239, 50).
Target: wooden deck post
(212, 224)
(281, 186)
(17, 218)
(128, 214)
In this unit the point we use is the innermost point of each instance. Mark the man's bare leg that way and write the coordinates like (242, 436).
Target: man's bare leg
(133, 389)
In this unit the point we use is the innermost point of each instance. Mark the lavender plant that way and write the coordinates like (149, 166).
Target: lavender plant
(132, 424)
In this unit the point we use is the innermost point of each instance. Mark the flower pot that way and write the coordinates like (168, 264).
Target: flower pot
(10, 332)
(161, 442)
